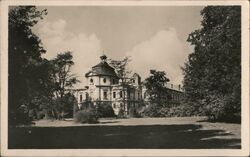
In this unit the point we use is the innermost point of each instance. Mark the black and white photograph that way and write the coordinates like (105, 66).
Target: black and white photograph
(120, 77)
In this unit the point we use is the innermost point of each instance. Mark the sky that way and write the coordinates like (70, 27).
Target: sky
(153, 36)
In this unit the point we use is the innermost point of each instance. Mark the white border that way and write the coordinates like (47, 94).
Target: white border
(244, 151)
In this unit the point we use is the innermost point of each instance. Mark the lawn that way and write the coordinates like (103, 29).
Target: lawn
(161, 133)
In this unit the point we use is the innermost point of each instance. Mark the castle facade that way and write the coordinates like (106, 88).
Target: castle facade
(104, 85)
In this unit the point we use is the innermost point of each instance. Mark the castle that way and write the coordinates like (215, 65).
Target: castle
(104, 85)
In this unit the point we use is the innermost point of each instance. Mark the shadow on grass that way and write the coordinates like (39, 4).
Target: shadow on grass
(108, 122)
(234, 121)
(142, 136)
(231, 119)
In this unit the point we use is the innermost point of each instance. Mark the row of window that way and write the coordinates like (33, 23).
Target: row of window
(105, 94)
(104, 81)
(114, 94)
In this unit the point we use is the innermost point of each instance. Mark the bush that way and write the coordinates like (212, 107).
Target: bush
(105, 110)
(151, 111)
(182, 110)
(133, 113)
(121, 113)
(86, 116)
(221, 108)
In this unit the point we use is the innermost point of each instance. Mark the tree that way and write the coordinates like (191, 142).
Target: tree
(155, 85)
(26, 72)
(121, 68)
(213, 70)
(63, 79)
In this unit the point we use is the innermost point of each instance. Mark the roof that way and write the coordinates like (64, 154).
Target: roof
(102, 69)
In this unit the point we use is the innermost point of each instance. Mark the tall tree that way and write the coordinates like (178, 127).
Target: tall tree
(213, 70)
(121, 68)
(63, 80)
(25, 62)
(156, 87)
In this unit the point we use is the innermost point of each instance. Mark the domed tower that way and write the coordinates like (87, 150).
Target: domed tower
(100, 79)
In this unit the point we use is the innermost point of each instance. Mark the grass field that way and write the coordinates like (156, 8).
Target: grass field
(161, 133)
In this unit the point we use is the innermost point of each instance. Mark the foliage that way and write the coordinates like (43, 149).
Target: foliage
(151, 110)
(182, 110)
(62, 76)
(86, 116)
(28, 72)
(63, 106)
(133, 113)
(105, 110)
(156, 89)
(213, 71)
(121, 68)
(218, 108)
(62, 80)
(35, 82)
(121, 113)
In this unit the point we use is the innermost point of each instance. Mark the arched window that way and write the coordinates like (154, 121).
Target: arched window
(81, 98)
(120, 94)
(104, 80)
(105, 95)
(91, 80)
(87, 96)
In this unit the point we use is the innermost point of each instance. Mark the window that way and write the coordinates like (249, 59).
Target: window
(104, 80)
(87, 96)
(120, 94)
(114, 94)
(91, 80)
(121, 105)
(105, 95)
(81, 98)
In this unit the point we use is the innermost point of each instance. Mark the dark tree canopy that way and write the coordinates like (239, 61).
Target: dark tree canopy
(35, 83)
(213, 70)
(26, 67)
(63, 80)
(156, 86)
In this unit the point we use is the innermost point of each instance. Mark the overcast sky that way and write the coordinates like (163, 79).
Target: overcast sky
(154, 37)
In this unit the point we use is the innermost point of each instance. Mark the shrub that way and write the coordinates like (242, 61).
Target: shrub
(214, 108)
(121, 113)
(182, 110)
(105, 110)
(221, 108)
(86, 116)
(133, 113)
(151, 111)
